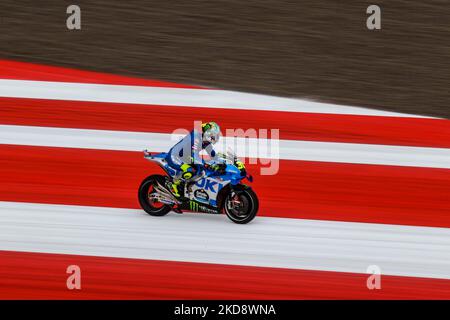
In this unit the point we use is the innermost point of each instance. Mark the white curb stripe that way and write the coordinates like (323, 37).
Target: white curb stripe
(267, 242)
(260, 148)
(198, 98)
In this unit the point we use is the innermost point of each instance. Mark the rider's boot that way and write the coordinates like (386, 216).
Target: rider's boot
(174, 188)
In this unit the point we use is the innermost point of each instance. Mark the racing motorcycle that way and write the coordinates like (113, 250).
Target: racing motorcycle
(209, 191)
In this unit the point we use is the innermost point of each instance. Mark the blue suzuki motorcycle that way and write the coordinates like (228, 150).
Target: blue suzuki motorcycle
(209, 191)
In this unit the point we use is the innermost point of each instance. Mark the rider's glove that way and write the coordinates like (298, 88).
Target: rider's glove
(240, 165)
(187, 170)
(218, 167)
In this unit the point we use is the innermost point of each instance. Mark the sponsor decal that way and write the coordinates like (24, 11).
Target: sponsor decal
(209, 184)
(208, 210)
(201, 195)
(193, 206)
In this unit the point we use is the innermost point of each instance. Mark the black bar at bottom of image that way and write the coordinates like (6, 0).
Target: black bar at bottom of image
(224, 309)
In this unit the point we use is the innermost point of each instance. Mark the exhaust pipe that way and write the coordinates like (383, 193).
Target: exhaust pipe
(166, 195)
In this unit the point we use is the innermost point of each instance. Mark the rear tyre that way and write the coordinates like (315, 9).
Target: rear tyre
(242, 207)
(152, 207)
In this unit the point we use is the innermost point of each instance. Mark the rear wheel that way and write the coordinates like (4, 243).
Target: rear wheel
(242, 206)
(152, 206)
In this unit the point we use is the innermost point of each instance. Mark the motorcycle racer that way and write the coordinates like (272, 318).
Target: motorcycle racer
(185, 154)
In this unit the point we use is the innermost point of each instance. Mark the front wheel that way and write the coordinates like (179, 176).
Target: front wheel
(241, 206)
(150, 205)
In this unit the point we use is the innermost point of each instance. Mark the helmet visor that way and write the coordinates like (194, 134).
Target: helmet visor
(212, 134)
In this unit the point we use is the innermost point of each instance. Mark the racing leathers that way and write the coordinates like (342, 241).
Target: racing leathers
(184, 155)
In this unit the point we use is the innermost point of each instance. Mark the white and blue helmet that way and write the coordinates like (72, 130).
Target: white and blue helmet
(211, 132)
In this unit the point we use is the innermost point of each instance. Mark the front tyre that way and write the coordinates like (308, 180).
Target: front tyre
(242, 206)
(152, 206)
